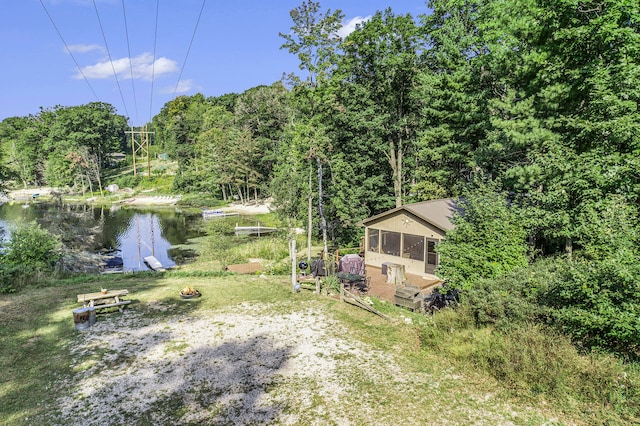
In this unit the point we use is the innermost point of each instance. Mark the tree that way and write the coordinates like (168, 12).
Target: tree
(20, 147)
(264, 112)
(376, 78)
(489, 238)
(93, 128)
(314, 40)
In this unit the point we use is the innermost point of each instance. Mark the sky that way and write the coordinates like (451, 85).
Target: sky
(65, 52)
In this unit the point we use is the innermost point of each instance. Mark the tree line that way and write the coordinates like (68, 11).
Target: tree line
(539, 95)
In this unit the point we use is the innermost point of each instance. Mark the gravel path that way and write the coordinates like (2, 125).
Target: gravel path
(247, 365)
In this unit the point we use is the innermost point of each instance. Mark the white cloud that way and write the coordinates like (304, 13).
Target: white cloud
(142, 67)
(84, 48)
(350, 26)
(182, 87)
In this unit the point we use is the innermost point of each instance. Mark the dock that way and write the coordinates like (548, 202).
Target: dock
(254, 230)
(206, 213)
(154, 264)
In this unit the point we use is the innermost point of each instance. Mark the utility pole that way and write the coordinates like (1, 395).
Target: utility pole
(140, 144)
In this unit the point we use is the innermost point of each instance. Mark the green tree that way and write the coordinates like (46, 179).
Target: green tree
(377, 76)
(313, 39)
(489, 238)
(264, 112)
(93, 128)
(21, 149)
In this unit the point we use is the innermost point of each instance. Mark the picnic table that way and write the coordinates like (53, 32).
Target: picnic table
(100, 300)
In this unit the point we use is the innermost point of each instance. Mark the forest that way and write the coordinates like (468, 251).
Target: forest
(526, 110)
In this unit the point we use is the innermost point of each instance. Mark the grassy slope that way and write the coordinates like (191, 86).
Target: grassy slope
(37, 329)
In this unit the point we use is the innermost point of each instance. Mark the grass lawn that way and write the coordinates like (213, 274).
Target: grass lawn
(248, 351)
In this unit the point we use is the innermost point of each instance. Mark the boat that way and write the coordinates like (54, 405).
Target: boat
(114, 264)
(207, 213)
(254, 230)
(154, 263)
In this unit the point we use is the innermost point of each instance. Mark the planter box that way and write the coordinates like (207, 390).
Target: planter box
(407, 297)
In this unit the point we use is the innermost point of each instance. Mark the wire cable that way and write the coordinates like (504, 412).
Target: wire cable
(133, 87)
(153, 65)
(66, 46)
(113, 68)
(184, 63)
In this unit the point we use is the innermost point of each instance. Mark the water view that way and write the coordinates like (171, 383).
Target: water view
(130, 233)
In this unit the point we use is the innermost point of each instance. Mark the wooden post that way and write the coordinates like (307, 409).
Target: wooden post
(395, 274)
(294, 270)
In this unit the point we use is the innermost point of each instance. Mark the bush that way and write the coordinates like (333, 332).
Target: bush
(489, 238)
(30, 251)
(597, 304)
(33, 248)
(128, 181)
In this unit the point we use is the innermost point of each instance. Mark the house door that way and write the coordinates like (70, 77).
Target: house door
(431, 258)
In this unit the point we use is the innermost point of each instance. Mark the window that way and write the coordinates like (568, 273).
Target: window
(413, 247)
(432, 256)
(390, 243)
(374, 240)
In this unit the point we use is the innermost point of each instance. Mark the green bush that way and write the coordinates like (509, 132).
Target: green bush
(33, 248)
(30, 251)
(489, 238)
(128, 181)
(597, 303)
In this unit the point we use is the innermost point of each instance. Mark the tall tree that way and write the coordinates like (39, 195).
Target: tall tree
(377, 78)
(313, 38)
(264, 112)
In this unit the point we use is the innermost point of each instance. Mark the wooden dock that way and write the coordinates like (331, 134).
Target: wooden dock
(154, 264)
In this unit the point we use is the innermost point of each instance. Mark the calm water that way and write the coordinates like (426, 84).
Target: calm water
(136, 233)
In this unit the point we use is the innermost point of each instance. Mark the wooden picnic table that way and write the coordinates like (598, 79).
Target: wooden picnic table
(101, 300)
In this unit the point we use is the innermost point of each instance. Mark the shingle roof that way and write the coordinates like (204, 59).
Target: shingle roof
(435, 212)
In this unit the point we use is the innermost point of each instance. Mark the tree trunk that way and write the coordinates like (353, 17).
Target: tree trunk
(568, 246)
(240, 194)
(310, 219)
(395, 161)
(90, 184)
(323, 220)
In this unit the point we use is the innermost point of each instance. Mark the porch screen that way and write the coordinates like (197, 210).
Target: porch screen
(413, 247)
(390, 243)
(432, 256)
(374, 240)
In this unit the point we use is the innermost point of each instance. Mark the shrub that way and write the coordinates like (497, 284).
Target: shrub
(597, 304)
(489, 238)
(32, 247)
(30, 251)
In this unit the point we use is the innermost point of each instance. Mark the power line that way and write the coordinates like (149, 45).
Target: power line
(133, 87)
(115, 75)
(69, 50)
(189, 48)
(153, 65)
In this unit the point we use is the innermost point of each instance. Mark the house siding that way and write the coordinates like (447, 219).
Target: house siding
(401, 222)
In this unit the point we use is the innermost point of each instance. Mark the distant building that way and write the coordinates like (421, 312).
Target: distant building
(116, 157)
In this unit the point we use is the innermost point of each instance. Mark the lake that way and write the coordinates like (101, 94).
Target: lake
(135, 232)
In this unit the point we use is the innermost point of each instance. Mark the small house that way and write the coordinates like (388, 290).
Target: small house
(408, 235)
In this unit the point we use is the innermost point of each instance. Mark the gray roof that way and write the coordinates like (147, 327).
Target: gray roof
(435, 212)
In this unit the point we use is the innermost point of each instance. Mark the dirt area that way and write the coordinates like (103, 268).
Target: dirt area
(249, 208)
(241, 366)
(246, 364)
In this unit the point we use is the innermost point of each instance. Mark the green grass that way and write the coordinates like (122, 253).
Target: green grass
(37, 331)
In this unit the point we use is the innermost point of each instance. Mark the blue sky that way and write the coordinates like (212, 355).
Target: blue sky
(236, 46)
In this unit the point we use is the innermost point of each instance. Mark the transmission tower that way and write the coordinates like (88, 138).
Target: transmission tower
(140, 144)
